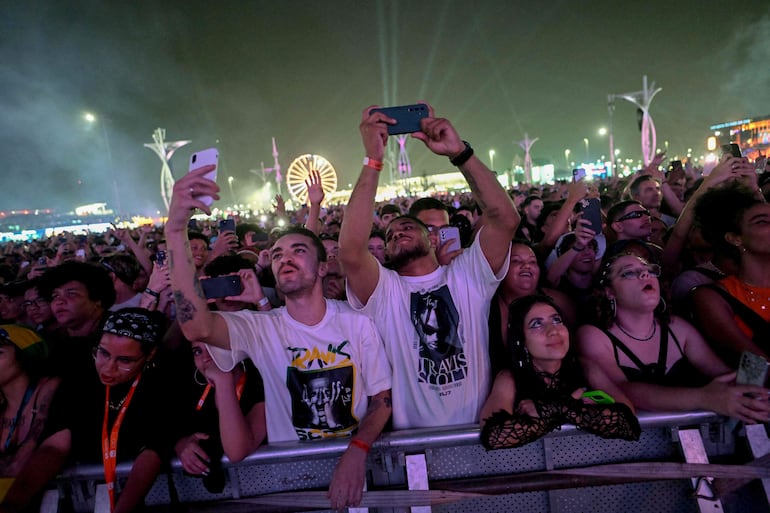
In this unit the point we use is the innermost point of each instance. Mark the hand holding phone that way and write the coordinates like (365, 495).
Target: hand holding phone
(451, 235)
(407, 118)
(208, 157)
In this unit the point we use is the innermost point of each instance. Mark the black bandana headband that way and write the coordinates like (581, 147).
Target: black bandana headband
(136, 323)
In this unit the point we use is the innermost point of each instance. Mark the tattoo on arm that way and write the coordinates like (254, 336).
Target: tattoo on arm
(475, 190)
(185, 310)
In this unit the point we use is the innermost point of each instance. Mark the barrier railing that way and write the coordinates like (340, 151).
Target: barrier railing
(418, 458)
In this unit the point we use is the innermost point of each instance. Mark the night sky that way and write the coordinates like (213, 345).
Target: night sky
(234, 74)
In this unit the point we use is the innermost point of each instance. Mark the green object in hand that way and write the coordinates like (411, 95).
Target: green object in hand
(598, 396)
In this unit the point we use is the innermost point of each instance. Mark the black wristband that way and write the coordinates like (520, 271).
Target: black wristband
(151, 292)
(464, 155)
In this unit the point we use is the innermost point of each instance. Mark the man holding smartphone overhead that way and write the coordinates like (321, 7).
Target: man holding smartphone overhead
(322, 364)
(433, 318)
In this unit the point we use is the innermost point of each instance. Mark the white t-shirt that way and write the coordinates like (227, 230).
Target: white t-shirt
(318, 378)
(436, 334)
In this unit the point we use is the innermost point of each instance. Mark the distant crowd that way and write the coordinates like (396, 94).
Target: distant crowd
(519, 310)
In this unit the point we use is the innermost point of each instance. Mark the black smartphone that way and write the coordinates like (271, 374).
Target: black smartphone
(227, 225)
(407, 117)
(592, 211)
(731, 149)
(752, 370)
(192, 224)
(221, 286)
(160, 258)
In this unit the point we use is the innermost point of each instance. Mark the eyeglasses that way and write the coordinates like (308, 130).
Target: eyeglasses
(37, 303)
(636, 214)
(123, 363)
(639, 273)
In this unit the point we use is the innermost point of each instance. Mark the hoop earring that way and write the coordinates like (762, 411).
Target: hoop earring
(195, 378)
(662, 305)
(613, 307)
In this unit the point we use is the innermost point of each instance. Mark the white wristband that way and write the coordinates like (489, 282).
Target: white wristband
(263, 302)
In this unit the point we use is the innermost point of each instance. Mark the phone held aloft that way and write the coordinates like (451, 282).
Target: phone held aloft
(227, 225)
(592, 211)
(407, 118)
(578, 174)
(731, 149)
(221, 286)
(208, 157)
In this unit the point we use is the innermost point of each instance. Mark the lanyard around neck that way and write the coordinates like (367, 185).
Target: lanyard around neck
(110, 441)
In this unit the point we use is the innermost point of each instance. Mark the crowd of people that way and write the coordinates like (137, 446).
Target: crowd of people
(197, 339)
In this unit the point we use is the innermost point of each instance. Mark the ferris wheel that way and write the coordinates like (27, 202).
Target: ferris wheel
(299, 170)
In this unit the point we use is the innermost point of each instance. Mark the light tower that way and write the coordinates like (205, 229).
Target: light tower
(276, 168)
(526, 145)
(404, 166)
(164, 150)
(642, 99)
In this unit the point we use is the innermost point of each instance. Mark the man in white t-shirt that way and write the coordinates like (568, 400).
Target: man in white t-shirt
(320, 361)
(433, 318)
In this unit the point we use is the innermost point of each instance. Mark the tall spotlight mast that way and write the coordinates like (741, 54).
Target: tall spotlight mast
(642, 99)
(526, 145)
(164, 150)
(276, 168)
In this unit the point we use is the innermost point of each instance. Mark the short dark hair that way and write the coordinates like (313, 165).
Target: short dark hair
(426, 204)
(720, 211)
(191, 235)
(125, 267)
(300, 230)
(636, 183)
(390, 208)
(94, 278)
(617, 209)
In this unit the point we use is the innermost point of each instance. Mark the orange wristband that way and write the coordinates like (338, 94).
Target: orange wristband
(357, 442)
(374, 164)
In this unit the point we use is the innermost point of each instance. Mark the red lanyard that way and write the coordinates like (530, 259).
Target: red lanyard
(238, 391)
(110, 443)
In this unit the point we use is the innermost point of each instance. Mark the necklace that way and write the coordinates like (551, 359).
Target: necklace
(645, 339)
(116, 406)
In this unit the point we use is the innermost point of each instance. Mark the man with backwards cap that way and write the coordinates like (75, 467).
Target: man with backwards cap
(126, 406)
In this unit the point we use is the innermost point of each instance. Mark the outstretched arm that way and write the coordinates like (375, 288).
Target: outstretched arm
(360, 265)
(315, 196)
(501, 216)
(195, 319)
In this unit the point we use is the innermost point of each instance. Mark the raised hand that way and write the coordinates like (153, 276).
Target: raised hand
(315, 190)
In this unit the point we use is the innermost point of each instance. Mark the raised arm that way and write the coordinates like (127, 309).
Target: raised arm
(501, 216)
(361, 267)
(195, 319)
(315, 196)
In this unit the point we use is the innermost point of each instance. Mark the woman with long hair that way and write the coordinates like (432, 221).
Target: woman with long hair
(734, 313)
(522, 279)
(542, 386)
(659, 363)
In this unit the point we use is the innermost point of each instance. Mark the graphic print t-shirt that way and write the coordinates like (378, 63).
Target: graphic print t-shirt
(436, 337)
(317, 378)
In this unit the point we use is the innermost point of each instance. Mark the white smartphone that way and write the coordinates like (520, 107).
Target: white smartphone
(208, 157)
(448, 233)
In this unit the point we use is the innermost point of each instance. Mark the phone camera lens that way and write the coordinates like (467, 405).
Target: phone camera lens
(194, 158)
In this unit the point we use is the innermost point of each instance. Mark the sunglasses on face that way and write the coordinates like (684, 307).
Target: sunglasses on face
(636, 214)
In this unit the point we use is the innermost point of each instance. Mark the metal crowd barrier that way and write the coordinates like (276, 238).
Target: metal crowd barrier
(424, 459)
